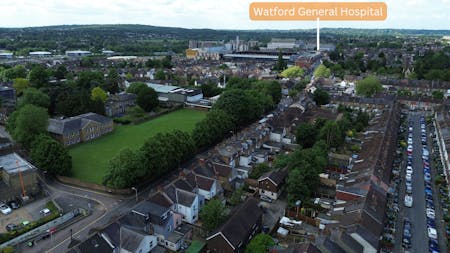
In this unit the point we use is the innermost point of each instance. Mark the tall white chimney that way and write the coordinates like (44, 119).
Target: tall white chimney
(318, 36)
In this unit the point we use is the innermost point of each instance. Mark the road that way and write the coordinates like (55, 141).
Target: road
(416, 214)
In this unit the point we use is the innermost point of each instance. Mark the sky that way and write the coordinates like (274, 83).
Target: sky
(215, 14)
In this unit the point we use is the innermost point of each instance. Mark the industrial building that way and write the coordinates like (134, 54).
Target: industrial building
(78, 53)
(40, 54)
(175, 94)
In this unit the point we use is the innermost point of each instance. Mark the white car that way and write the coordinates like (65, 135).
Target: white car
(408, 201)
(410, 141)
(409, 170)
(5, 209)
(430, 213)
(408, 177)
(432, 233)
(410, 148)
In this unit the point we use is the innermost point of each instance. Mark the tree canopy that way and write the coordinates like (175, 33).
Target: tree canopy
(39, 76)
(212, 214)
(26, 123)
(321, 97)
(368, 86)
(322, 71)
(50, 155)
(260, 244)
(20, 84)
(293, 72)
(34, 97)
(98, 93)
(147, 98)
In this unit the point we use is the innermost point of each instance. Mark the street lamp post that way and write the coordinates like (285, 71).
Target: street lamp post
(136, 191)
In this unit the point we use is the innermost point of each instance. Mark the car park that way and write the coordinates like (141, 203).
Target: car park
(410, 142)
(406, 242)
(427, 177)
(409, 149)
(5, 209)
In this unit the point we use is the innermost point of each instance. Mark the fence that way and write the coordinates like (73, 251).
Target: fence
(44, 228)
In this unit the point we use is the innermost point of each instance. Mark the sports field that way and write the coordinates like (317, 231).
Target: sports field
(90, 159)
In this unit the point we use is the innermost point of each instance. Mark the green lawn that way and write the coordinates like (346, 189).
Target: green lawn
(90, 159)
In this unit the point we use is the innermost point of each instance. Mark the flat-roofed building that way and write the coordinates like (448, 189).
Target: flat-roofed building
(16, 173)
(40, 54)
(78, 53)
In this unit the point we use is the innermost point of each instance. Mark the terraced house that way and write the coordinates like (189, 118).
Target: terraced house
(81, 128)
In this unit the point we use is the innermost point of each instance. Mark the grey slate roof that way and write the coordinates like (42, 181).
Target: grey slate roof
(237, 228)
(185, 198)
(277, 176)
(95, 244)
(130, 239)
(74, 124)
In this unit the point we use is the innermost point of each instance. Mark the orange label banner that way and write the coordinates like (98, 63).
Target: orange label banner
(325, 11)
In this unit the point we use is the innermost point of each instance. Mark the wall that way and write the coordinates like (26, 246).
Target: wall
(92, 186)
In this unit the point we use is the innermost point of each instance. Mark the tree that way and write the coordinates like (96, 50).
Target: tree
(20, 84)
(50, 155)
(331, 134)
(98, 93)
(89, 79)
(306, 135)
(212, 129)
(322, 71)
(17, 71)
(60, 72)
(321, 97)
(210, 89)
(125, 169)
(293, 72)
(27, 123)
(147, 99)
(39, 76)
(160, 75)
(236, 197)
(111, 84)
(368, 86)
(260, 244)
(281, 64)
(34, 97)
(297, 189)
(238, 105)
(437, 94)
(212, 214)
(136, 87)
(258, 170)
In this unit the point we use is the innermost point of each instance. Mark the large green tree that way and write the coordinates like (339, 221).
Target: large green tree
(20, 84)
(125, 169)
(26, 123)
(147, 99)
(35, 97)
(98, 93)
(321, 97)
(50, 155)
(212, 214)
(293, 72)
(136, 87)
(322, 71)
(306, 134)
(238, 105)
(212, 129)
(260, 244)
(39, 76)
(368, 86)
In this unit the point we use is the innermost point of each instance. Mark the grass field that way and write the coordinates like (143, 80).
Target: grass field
(90, 159)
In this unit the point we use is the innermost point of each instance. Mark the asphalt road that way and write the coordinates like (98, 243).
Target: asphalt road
(416, 214)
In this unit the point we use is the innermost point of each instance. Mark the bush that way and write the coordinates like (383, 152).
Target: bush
(122, 120)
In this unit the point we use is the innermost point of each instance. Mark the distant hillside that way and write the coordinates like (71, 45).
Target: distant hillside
(144, 39)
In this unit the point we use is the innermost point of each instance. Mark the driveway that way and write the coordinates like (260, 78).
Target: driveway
(273, 212)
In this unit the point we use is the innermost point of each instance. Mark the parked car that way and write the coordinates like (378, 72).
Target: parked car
(432, 233)
(5, 209)
(433, 246)
(430, 213)
(47, 211)
(409, 170)
(14, 204)
(11, 227)
(408, 201)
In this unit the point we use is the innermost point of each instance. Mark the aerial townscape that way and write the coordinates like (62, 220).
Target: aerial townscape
(122, 138)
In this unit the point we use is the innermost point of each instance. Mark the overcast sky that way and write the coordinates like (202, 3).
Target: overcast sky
(216, 14)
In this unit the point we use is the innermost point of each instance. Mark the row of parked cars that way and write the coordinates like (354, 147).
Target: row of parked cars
(433, 244)
(6, 208)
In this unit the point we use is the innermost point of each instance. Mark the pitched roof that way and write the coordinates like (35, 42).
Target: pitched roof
(185, 198)
(276, 176)
(161, 199)
(222, 170)
(130, 240)
(238, 227)
(95, 244)
(183, 185)
(74, 124)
